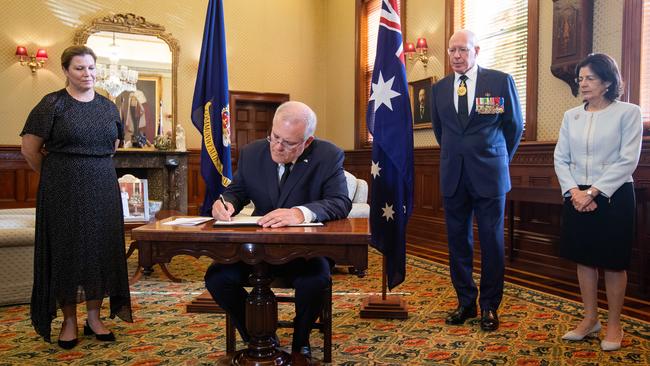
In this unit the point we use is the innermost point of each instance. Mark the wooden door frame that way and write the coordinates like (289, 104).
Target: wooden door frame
(237, 96)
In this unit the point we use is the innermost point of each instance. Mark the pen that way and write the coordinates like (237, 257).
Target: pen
(223, 202)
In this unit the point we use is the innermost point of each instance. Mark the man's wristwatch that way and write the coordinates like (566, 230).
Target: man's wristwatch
(590, 192)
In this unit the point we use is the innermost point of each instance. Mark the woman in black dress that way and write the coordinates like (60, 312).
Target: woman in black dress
(69, 138)
(596, 153)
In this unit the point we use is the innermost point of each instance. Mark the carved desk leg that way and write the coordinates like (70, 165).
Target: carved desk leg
(145, 262)
(261, 322)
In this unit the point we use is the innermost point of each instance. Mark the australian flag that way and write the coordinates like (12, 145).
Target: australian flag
(389, 122)
(210, 107)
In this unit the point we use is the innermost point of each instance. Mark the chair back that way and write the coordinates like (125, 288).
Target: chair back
(358, 193)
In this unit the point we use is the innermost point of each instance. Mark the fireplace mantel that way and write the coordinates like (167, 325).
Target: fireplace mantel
(165, 170)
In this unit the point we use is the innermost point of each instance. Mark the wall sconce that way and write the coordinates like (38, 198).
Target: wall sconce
(35, 61)
(418, 52)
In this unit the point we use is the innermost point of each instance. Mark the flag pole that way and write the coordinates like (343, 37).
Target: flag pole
(383, 278)
(384, 306)
(389, 120)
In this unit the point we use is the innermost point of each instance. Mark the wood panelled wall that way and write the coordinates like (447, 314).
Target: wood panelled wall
(195, 183)
(18, 182)
(533, 260)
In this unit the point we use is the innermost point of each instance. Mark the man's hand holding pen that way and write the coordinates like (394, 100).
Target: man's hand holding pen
(222, 210)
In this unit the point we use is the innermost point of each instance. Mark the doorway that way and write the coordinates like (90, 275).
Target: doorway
(251, 118)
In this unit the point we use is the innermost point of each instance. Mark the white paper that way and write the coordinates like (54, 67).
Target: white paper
(252, 221)
(188, 221)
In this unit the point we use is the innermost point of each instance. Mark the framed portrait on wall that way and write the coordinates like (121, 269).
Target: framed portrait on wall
(139, 111)
(420, 94)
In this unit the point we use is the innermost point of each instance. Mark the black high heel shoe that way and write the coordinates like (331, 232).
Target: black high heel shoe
(109, 337)
(68, 344)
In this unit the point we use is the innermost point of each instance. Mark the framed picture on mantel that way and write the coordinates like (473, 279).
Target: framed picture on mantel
(135, 198)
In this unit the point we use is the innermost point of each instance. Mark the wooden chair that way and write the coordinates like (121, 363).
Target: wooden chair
(323, 324)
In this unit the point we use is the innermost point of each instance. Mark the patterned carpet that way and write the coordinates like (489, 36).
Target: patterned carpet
(163, 334)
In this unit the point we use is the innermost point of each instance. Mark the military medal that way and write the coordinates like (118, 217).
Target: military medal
(490, 105)
(462, 89)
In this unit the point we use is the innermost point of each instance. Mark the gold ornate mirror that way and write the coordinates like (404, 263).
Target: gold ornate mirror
(137, 65)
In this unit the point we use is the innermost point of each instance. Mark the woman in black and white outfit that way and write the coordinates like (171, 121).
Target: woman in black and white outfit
(596, 153)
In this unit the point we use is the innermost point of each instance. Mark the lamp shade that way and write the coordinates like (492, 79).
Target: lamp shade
(410, 47)
(41, 54)
(21, 51)
(422, 44)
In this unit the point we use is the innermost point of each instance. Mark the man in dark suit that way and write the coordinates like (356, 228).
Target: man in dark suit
(421, 112)
(292, 178)
(478, 123)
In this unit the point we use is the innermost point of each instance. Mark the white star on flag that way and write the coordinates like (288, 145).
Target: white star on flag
(374, 170)
(382, 92)
(388, 212)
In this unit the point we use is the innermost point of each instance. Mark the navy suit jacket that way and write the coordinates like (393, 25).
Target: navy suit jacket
(317, 181)
(488, 142)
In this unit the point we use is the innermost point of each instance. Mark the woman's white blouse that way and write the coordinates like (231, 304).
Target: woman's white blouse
(600, 149)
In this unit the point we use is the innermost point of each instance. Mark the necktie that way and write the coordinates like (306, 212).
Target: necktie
(285, 175)
(463, 110)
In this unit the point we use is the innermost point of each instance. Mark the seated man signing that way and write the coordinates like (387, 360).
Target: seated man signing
(292, 178)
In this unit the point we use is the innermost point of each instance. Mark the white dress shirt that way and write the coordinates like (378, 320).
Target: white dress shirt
(307, 213)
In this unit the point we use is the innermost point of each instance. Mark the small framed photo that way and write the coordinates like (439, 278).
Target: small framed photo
(420, 93)
(135, 198)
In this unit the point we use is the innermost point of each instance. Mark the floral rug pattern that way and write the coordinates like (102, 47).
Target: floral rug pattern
(164, 334)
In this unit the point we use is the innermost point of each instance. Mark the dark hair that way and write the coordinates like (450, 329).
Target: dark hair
(72, 51)
(607, 70)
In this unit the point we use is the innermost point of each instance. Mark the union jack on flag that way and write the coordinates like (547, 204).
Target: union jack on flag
(389, 122)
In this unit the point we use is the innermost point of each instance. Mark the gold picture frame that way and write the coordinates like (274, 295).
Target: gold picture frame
(420, 96)
(140, 109)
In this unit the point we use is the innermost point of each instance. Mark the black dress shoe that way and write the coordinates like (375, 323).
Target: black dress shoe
(275, 340)
(305, 351)
(461, 314)
(109, 337)
(68, 344)
(301, 358)
(489, 320)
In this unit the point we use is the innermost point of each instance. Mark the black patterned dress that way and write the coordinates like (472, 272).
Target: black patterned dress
(79, 246)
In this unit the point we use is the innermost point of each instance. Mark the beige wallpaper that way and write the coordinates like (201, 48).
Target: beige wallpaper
(301, 47)
(339, 57)
(554, 95)
(273, 46)
(426, 18)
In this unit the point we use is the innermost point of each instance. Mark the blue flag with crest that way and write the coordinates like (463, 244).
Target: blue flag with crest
(390, 123)
(211, 109)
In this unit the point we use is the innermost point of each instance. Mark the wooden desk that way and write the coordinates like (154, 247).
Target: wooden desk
(128, 226)
(343, 240)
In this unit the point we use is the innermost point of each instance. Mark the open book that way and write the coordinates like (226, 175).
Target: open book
(243, 220)
(188, 221)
